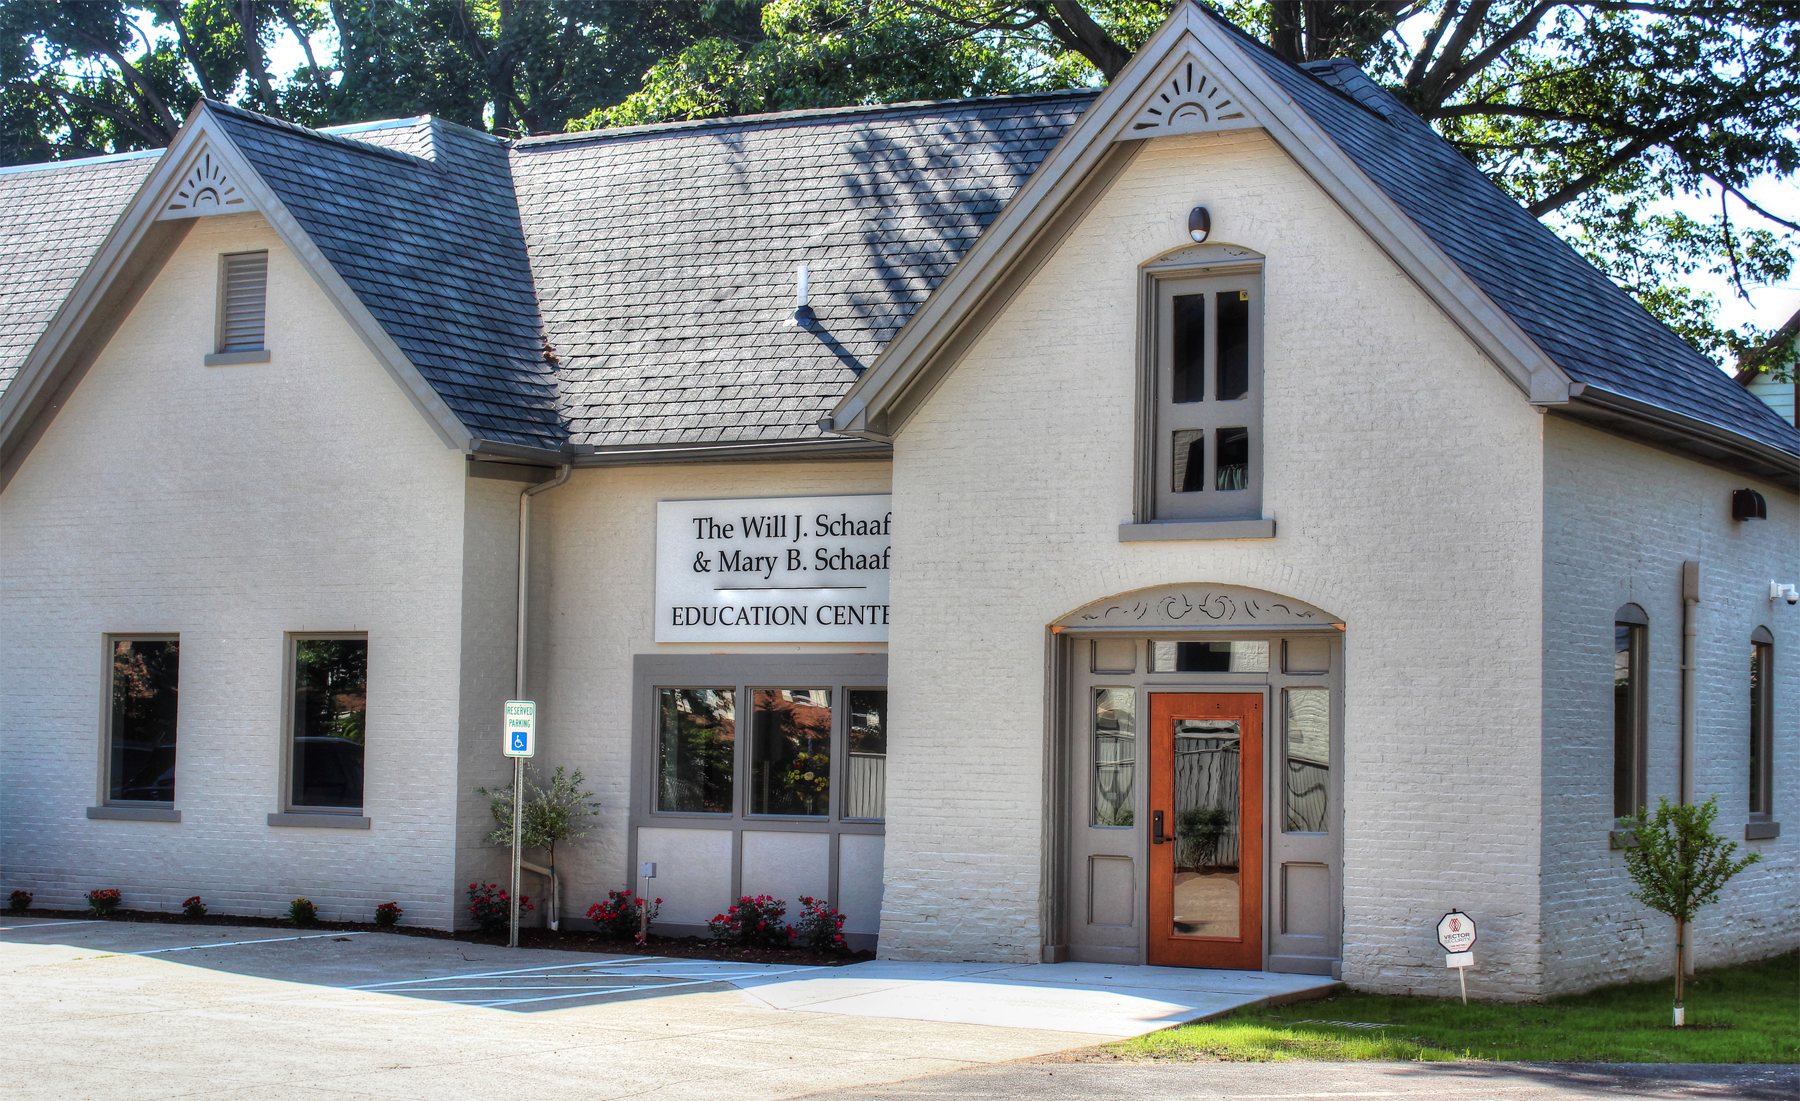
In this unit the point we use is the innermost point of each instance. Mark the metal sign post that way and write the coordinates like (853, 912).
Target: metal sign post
(520, 730)
(1456, 934)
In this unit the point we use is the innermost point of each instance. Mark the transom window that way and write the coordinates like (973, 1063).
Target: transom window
(1204, 427)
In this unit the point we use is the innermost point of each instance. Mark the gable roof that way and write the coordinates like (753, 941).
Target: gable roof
(1566, 335)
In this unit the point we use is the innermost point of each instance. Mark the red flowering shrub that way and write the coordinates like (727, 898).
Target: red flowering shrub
(193, 907)
(19, 901)
(819, 926)
(753, 922)
(301, 911)
(387, 915)
(621, 914)
(103, 902)
(491, 907)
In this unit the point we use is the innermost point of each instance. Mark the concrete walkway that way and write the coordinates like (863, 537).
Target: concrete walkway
(173, 1011)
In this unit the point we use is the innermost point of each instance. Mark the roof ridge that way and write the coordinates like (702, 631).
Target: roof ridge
(317, 135)
(801, 115)
(82, 162)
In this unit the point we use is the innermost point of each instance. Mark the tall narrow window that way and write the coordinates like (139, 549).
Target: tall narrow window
(865, 779)
(696, 749)
(790, 752)
(331, 692)
(1115, 756)
(1206, 378)
(1762, 722)
(1308, 794)
(243, 299)
(145, 676)
(1629, 628)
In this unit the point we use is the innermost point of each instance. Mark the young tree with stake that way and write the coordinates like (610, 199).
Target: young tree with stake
(1680, 865)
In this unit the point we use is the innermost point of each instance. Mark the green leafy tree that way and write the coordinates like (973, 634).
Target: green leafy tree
(1679, 865)
(560, 813)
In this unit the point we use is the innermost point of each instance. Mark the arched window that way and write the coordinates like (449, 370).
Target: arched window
(1630, 628)
(1762, 723)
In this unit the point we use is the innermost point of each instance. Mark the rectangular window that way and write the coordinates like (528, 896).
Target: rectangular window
(331, 691)
(145, 676)
(1209, 657)
(1308, 795)
(696, 750)
(865, 781)
(1204, 379)
(243, 299)
(790, 752)
(1762, 728)
(1628, 719)
(1115, 756)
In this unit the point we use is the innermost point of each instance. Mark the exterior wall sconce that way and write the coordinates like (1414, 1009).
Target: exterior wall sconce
(1747, 504)
(1199, 223)
(803, 313)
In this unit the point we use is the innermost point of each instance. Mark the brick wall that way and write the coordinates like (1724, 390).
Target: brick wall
(232, 505)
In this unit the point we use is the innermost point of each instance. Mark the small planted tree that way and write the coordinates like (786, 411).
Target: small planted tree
(1680, 865)
(550, 816)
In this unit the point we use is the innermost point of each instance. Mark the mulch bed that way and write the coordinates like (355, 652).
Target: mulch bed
(567, 940)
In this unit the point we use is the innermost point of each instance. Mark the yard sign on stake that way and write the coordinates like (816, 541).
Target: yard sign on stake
(520, 732)
(1456, 933)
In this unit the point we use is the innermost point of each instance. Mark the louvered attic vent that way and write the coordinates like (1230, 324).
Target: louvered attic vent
(243, 303)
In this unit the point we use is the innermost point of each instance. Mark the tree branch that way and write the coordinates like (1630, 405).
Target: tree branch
(1746, 200)
(1429, 46)
(1450, 61)
(1496, 50)
(1076, 29)
(1576, 187)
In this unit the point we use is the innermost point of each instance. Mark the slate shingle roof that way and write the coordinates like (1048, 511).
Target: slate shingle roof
(666, 255)
(52, 221)
(422, 223)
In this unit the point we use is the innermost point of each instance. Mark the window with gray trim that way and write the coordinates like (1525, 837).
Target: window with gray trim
(1762, 723)
(143, 674)
(1630, 631)
(1203, 459)
(329, 679)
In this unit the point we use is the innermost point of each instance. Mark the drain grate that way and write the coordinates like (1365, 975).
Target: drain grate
(1345, 1024)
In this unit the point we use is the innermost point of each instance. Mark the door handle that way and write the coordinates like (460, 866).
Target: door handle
(1156, 827)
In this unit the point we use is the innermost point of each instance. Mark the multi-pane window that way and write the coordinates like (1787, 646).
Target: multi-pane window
(1762, 723)
(145, 678)
(865, 776)
(790, 753)
(1115, 756)
(330, 703)
(243, 299)
(1628, 786)
(696, 749)
(1207, 424)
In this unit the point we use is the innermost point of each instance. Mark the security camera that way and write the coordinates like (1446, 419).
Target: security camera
(1789, 593)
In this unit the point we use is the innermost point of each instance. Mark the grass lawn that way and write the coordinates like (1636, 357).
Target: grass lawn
(1745, 1014)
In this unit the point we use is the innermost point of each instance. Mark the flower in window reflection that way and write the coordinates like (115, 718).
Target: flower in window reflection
(809, 774)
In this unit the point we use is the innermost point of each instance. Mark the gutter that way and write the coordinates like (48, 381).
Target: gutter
(1667, 428)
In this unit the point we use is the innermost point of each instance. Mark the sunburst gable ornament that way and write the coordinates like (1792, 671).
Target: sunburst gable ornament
(206, 189)
(1189, 101)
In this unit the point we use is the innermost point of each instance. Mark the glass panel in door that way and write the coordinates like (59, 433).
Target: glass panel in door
(1208, 884)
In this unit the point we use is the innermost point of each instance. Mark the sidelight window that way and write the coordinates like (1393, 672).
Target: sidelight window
(1206, 377)
(1115, 756)
(1308, 774)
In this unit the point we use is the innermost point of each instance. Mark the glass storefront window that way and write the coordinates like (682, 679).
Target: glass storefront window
(1308, 789)
(790, 751)
(1115, 755)
(865, 776)
(696, 744)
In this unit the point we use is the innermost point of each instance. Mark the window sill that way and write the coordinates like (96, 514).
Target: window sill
(135, 814)
(1621, 839)
(1761, 831)
(320, 821)
(1197, 529)
(229, 359)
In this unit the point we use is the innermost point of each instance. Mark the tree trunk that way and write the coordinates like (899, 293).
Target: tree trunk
(1680, 970)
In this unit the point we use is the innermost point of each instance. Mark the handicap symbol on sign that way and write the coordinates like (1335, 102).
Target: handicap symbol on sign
(518, 740)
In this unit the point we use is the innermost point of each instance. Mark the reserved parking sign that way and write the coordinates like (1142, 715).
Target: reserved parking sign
(520, 728)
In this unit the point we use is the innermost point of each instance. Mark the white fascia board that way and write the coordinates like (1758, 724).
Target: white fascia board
(113, 258)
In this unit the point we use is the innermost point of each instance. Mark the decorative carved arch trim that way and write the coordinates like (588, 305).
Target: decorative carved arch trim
(206, 188)
(1197, 606)
(1188, 100)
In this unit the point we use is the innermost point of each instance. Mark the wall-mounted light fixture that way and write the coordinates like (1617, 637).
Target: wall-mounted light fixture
(1747, 504)
(1199, 223)
(803, 313)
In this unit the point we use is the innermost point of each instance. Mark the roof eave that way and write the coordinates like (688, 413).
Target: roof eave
(1690, 436)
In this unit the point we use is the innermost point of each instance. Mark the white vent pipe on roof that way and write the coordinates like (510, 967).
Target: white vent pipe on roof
(803, 313)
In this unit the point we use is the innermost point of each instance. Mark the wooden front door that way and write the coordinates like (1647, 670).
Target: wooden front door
(1206, 845)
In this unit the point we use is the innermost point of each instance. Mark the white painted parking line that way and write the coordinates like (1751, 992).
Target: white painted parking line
(604, 979)
(235, 943)
(46, 924)
(497, 974)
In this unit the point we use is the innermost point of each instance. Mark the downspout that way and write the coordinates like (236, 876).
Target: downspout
(524, 619)
(1690, 603)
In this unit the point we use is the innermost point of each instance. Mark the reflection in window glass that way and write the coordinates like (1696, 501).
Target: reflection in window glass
(1209, 657)
(1234, 345)
(1189, 368)
(1762, 727)
(790, 751)
(144, 683)
(1308, 760)
(1625, 719)
(1208, 807)
(331, 687)
(1189, 450)
(865, 776)
(1233, 455)
(695, 749)
(1115, 755)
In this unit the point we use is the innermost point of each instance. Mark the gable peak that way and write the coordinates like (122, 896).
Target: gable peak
(1187, 98)
(207, 187)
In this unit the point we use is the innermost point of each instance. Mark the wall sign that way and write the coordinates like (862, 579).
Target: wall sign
(773, 569)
